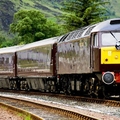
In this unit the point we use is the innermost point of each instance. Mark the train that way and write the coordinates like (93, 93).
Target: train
(85, 61)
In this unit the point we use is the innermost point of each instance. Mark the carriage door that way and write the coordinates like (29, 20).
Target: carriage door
(95, 58)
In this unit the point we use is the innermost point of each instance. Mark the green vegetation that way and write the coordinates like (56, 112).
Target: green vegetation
(26, 117)
(114, 7)
(32, 25)
(50, 8)
(80, 13)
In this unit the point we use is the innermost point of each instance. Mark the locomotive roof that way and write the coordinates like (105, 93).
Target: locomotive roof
(9, 49)
(39, 43)
(108, 25)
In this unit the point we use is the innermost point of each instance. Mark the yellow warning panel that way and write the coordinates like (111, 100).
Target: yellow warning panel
(110, 55)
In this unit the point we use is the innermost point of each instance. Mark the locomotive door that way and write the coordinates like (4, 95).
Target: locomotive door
(95, 55)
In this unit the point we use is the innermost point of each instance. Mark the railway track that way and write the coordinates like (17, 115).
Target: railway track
(70, 103)
(17, 111)
(37, 107)
(110, 102)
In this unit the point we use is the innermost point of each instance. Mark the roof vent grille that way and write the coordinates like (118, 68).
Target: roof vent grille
(112, 22)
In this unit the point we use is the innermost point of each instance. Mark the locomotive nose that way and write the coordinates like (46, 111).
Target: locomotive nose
(108, 78)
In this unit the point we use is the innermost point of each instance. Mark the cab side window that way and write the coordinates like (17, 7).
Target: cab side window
(95, 40)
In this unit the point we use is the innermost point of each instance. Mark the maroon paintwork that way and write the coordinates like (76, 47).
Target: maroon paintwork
(8, 61)
(74, 56)
(37, 59)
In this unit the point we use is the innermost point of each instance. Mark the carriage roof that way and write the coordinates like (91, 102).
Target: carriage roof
(9, 49)
(39, 43)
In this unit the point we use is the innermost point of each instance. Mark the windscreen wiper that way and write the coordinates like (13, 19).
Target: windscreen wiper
(117, 41)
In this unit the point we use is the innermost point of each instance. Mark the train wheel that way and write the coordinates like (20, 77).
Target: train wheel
(86, 87)
(105, 93)
(13, 85)
(94, 87)
(24, 85)
(48, 86)
(66, 87)
(101, 92)
(52, 86)
(97, 89)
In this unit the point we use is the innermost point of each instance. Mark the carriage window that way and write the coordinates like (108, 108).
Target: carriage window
(95, 40)
(110, 39)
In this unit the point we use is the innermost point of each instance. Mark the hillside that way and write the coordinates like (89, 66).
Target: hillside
(115, 7)
(51, 8)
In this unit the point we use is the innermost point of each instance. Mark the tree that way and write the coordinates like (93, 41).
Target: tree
(79, 13)
(32, 25)
(5, 40)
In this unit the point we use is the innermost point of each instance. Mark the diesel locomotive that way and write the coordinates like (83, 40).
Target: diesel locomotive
(85, 61)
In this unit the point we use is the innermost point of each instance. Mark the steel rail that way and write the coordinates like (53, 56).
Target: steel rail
(21, 111)
(56, 109)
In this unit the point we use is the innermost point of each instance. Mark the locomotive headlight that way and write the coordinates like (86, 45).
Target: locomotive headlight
(108, 78)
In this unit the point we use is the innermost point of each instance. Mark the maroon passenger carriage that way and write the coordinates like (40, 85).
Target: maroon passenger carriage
(29, 67)
(36, 65)
(8, 67)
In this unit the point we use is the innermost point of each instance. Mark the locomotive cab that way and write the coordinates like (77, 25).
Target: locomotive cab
(110, 55)
(105, 55)
(110, 61)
